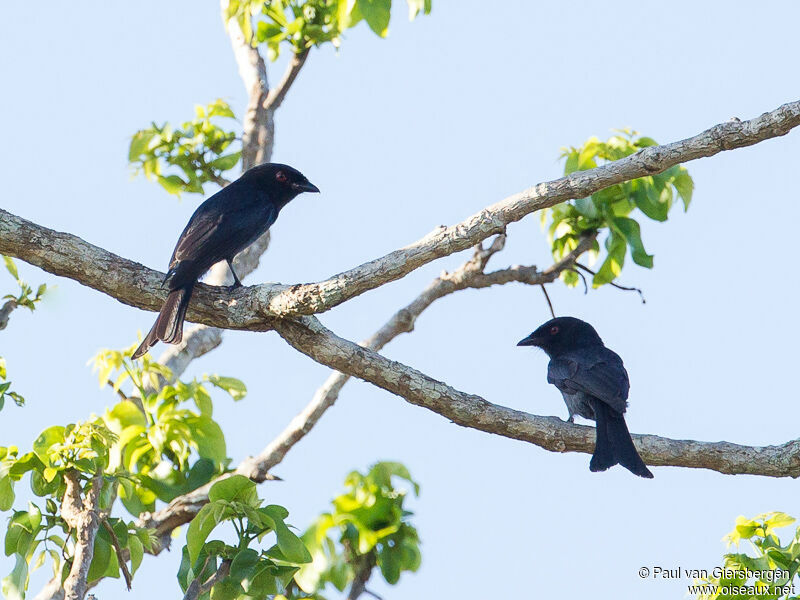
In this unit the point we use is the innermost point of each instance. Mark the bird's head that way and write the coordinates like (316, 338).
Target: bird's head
(562, 334)
(284, 180)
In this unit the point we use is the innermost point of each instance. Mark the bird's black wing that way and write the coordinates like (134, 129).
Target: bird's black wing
(597, 371)
(219, 227)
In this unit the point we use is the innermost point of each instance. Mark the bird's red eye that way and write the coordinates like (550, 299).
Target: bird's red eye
(281, 176)
(554, 330)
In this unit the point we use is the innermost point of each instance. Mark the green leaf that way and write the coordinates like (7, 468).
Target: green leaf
(101, 561)
(226, 162)
(6, 493)
(12, 268)
(236, 488)
(632, 232)
(684, 186)
(172, 183)
(209, 438)
(13, 586)
(290, 545)
(202, 525)
(139, 143)
(415, 6)
(612, 265)
(388, 560)
(243, 565)
(49, 437)
(348, 14)
(227, 589)
(235, 387)
(376, 13)
(649, 200)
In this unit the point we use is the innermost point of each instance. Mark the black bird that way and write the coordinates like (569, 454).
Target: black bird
(219, 229)
(594, 384)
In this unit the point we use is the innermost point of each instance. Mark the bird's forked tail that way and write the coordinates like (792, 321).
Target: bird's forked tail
(169, 324)
(614, 445)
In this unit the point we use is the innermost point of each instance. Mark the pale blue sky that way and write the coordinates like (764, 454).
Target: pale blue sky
(451, 113)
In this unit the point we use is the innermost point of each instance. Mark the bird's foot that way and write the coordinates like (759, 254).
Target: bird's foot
(236, 284)
(571, 419)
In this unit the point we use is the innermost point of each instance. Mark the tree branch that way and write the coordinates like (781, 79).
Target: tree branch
(277, 94)
(5, 312)
(258, 127)
(254, 307)
(82, 516)
(196, 589)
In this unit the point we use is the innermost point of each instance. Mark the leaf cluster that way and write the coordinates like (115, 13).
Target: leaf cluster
(151, 445)
(367, 526)
(302, 24)
(771, 557)
(252, 573)
(185, 158)
(610, 210)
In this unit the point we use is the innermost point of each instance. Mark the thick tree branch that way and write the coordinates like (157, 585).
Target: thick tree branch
(82, 516)
(254, 307)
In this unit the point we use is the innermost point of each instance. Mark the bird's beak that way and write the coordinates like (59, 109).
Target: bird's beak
(531, 340)
(306, 187)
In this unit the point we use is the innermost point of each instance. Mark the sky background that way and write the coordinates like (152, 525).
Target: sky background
(451, 113)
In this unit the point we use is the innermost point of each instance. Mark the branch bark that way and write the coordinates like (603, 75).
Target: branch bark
(82, 516)
(255, 307)
(5, 312)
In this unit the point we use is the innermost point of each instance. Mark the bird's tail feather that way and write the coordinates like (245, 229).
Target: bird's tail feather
(614, 444)
(169, 324)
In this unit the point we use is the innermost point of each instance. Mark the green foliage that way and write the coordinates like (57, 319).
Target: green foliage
(151, 445)
(169, 444)
(185, 159)
(770, 574)
(253, 573)
(368, 526)
(610, 209)
(301, 24)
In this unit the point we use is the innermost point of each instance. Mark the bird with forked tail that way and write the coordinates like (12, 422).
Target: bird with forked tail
(594, 383)
(219, 229)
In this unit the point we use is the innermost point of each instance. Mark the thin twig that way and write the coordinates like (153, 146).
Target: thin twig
(547, 297)
(120, 555)
(612, 284)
